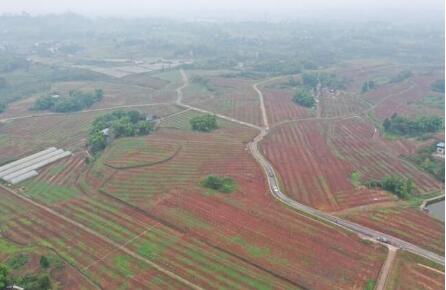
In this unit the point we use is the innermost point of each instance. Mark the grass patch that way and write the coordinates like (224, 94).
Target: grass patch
(370, 285)
(355, 178)
(49, 193)
(123, 265)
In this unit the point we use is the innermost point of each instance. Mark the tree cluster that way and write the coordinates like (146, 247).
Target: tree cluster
(222, 184)
(39, 281)
(75, 101)
(204, 123)
(405, 126)
(120, 124)
(424, 160)
(397, 185)
(304, 98)
(368, 86)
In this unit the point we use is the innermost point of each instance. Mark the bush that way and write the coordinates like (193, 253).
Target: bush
(222, 184)
(44, 262)
(205, 123)
(304, 98)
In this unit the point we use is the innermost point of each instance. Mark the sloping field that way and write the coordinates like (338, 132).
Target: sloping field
(409, 224)
(410, 272)
(233, 97)
(340, 103)
(119, 93)
(247, 224)
(226, 129)
(279, 103)
(137, 152)
(316, 160)
(311, 171)
(358, 143)
(22, 137)
(94, 257)
(407, 98)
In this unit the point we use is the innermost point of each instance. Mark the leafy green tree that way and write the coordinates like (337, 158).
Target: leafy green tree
(144, 127)
(205, 123)
(304, 98)
(44, 262)
(97, 141)
(4, 278)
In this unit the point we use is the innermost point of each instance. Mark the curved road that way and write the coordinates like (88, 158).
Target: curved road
(273, 184)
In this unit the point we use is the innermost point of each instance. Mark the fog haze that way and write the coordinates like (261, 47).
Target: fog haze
(248, 9)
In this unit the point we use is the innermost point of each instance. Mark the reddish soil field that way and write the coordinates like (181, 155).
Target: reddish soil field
(404, 98)
(247, 223)
(409, 224)
(22, 137)
(358, 143)
(340, 103)
(83, 250)
(311, 170)
(233, 97)
(410, 272)
(280, 106)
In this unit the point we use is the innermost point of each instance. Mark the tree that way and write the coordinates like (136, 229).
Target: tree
(3, 276)
(205, 123)
(144, 127)
(97, 141)
(44, 262)
(304, 98)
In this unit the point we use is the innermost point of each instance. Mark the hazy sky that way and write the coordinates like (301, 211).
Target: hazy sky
(250, 8)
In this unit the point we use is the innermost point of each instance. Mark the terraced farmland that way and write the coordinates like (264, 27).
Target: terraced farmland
(316, 160)
(22, 137)
(233, 97)
(242, 223)
(411, 272)
(407, 223)
(280, 106)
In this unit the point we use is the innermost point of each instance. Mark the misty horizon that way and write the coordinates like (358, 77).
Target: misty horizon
(232, 10)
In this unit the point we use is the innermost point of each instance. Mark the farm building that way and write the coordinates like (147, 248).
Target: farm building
(440, 148)
(25, 168)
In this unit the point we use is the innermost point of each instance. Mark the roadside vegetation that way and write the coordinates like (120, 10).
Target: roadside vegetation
(404, 126)
(205, 123)
(119, 124)
(218, 183)
(75, 101)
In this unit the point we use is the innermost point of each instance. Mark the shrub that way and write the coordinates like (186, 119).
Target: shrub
(205, 123)
(222, 184)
